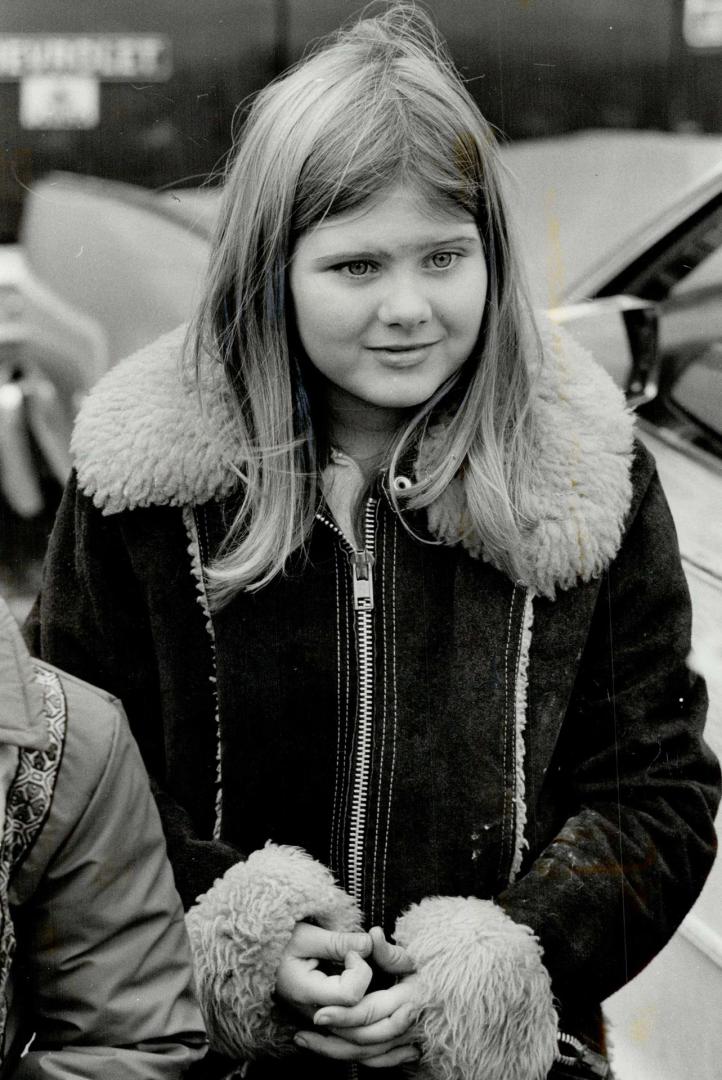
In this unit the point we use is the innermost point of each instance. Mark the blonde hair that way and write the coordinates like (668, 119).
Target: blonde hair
(375, 105)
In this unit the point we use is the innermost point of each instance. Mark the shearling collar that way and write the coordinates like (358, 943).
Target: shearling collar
(146, 437)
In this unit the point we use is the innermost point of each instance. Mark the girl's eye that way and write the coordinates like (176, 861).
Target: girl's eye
(442, 260)
(358, 268)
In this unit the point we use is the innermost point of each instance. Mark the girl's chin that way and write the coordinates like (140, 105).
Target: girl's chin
(407, 393)
(396, 403)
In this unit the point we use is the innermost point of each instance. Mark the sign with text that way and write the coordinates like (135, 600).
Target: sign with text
(702, 26)
(107, 57)
(59, 102)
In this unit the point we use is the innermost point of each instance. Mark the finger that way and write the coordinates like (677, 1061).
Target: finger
(315, 942)
(375, 1006)
(346, 989)
(393, 1027)
(400, 1055)
(331, 1046)
(337, 945)
(391, 958)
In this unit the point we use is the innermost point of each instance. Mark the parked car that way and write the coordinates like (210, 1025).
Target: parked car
(622, 234)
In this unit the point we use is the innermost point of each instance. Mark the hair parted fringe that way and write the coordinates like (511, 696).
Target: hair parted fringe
(374, 105)
(486, 1005)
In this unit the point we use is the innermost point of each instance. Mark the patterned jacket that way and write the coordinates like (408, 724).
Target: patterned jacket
(94, 960)
(508, 775)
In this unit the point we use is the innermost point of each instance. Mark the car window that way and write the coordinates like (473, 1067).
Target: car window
(707, 275)
(690, 342)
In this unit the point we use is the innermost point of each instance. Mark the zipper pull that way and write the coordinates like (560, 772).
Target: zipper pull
(363, 585)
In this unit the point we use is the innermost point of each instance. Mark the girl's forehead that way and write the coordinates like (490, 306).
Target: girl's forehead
(395, 211)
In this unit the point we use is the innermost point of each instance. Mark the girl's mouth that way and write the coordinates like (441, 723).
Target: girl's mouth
(402, 355)
(412, 347)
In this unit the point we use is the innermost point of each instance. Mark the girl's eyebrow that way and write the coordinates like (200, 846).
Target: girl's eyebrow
(382, 253)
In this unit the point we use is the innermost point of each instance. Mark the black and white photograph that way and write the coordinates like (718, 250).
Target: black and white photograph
(360, 539)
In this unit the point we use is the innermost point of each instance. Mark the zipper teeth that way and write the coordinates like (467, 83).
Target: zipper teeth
(364, 621)
(334, 528)
(359, 796)
(363, 752)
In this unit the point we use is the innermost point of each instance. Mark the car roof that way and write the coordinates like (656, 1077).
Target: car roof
(586, 205)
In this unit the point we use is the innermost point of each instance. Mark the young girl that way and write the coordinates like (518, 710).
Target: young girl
(394, 604)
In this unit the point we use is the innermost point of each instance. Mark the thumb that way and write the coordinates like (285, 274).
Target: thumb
(390, 958)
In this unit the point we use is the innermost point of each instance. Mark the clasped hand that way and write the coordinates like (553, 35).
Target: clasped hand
(373, 1028)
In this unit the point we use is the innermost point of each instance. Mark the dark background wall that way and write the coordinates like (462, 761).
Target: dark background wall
(536, 67)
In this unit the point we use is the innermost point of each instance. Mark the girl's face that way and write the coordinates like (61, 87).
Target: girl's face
(388, 299)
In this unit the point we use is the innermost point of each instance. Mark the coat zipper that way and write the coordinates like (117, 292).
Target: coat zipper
(361, 563)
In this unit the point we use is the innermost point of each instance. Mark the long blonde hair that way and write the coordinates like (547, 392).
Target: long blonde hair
(374, 105)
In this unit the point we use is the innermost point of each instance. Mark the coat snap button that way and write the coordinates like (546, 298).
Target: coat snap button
(401, 483)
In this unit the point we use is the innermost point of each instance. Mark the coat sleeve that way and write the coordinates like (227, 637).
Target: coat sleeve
(599, 901)
(105, 975)
(615, 883)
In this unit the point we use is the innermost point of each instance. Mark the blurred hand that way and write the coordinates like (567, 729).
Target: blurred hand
(300, 984)
(378, 1030)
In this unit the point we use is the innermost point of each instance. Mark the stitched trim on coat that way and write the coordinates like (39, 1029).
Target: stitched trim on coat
(516, 662)
(375, 910)
(394, 691)
(504, 735)
(344, 725)
(347, 719)
(520, 717)
(194, 550)
(338, 780)
(387, 740)
(28, 805)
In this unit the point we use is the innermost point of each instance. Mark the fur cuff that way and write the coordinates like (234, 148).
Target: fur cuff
(485, 995)
(238, 930)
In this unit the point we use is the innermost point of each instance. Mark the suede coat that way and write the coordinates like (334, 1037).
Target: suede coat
(508, 775)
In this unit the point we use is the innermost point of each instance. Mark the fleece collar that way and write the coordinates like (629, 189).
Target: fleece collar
(146, 436)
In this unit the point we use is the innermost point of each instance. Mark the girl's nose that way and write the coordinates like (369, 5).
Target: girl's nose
(404, 303)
